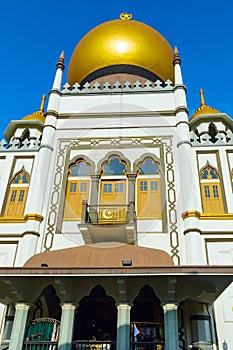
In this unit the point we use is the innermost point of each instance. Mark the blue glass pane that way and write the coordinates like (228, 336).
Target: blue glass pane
(107, 188)
(149, 168)
(114, 167)
(205, 174)
(17, 179)
(213, 174)
(24, 178)
(81, 169)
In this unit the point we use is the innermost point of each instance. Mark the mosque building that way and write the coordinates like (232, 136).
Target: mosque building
(116, 207)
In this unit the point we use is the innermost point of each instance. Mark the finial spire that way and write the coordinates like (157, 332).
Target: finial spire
(202, 97)
(60, 63)
(177, 59)
(42, 104)
(126, 16)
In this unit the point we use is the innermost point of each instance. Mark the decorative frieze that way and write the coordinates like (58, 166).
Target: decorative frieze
(31, 144)
(211, 137)
(115, 87)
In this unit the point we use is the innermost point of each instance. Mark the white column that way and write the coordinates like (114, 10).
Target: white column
(171, 326)
(19, 325)
(123, 327)
(26, 248)
(67, 323)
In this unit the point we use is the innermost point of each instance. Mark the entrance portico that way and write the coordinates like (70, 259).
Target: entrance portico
(202, 285)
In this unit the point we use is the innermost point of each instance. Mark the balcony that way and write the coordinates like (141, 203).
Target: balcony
(108, 223)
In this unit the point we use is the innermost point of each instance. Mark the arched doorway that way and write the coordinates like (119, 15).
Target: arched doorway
(44, 318)
(147, 318)
(96, 317)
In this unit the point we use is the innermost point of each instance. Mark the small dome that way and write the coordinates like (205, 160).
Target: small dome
(121, 46)
(203, 109)
(39, 115)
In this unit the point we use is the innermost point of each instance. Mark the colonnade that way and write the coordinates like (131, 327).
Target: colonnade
(67, 323)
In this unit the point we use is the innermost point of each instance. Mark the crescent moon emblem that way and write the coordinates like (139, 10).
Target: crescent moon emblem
(107, 214)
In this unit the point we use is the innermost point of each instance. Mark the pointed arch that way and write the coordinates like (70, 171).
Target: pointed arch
(113, 169)
(149, 199)
(147, 316)
(17, 194)
(96, 316)
(111, 155)
(44, 316)
(77, 187)
(211, 190)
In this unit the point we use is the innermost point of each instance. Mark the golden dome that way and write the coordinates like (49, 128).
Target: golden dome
(121, 46)
(39, 115)
(203, 109)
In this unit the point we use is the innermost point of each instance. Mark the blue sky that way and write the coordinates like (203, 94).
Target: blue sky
(34, 32)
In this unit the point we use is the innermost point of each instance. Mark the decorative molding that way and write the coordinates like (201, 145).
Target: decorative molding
(183, 142)
(192, 229)
(16, 144)
(55, 91)
(33, 233)
(198, 215)
(35, 217)
(52, 112)
(64, 148)
(224, 216)
(191, 214)
(182, 109)
(47, 146)
(12, 219)
(116, 87)
(21, 219)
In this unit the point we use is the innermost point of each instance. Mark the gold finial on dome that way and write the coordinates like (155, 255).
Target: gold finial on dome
(202, 97)
(42, 104)
(126, 16)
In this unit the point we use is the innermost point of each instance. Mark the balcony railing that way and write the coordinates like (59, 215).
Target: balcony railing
(40, 345)
(146, 346)
(108, 214)
(93, 345)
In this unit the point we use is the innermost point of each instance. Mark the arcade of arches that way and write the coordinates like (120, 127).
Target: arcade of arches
(115, 189)
(97, 317)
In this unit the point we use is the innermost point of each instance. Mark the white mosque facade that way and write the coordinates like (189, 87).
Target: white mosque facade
(116, 207)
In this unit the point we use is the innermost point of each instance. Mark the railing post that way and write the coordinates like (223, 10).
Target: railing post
(131, 212)
(84, 211)
(131, 187)
(94, 189)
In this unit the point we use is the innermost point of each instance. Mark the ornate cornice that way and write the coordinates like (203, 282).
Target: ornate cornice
(35, 217)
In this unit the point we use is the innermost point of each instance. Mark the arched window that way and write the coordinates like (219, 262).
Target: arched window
(17, 196)
(77, 189)
(113, 190)
(149, 190)
(211, 192)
